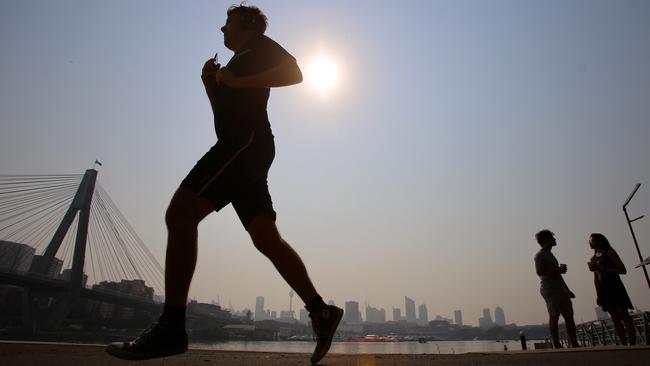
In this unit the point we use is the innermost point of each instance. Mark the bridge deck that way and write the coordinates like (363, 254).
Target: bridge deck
(51, 354)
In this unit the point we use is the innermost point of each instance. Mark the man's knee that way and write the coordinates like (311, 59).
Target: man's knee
(186, 209)
(265, 235)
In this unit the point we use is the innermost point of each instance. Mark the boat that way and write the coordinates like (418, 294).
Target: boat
(371, 338)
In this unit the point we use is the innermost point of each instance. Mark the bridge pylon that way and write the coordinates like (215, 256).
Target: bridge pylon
(80, 205)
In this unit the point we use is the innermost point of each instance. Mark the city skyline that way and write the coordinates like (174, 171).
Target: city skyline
(455, 132)
(372, 314)
(21, 257)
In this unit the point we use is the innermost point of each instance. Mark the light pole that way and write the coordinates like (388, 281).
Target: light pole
(629, 223)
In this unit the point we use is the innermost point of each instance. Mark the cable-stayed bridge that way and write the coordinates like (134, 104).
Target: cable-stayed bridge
(64, 242)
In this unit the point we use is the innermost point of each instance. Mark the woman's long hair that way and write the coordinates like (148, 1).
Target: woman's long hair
(602, 241)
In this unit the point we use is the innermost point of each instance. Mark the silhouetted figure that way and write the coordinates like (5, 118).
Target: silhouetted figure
(233, 171)
(610, 291)
(553, 289)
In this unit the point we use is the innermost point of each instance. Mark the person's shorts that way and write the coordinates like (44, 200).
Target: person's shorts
(558, 303)
(235, 171)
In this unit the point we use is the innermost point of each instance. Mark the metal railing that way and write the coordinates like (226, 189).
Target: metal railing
(601, 332)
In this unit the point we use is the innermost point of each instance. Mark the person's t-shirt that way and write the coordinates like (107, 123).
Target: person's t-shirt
(551, 283)
(239, 111)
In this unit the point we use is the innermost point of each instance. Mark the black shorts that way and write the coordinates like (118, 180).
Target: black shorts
(235, 171)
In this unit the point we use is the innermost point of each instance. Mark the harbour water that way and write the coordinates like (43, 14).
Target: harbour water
(441, 347)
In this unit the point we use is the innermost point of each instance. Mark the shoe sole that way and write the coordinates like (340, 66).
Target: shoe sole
(339, 316)
(143, 356)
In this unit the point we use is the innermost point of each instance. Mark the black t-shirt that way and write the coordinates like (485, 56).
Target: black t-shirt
(239, 111)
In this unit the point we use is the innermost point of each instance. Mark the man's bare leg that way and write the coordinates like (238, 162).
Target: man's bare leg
(185, 212)
(267, 240)
(168, 336)
(325, 318)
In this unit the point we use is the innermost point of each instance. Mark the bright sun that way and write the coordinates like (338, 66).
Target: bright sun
(322, 74)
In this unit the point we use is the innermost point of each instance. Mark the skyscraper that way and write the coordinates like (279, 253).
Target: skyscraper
(304, 316)
(409, 307)
(397, 314)
(260, 314)
(423, 314)
(352, 312)
(499, 317)
(374, 315)
(486, 320)
(16, 256)
(53, 271)
(458, 317)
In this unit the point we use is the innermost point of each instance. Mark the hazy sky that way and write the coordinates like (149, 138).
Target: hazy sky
(456, 131)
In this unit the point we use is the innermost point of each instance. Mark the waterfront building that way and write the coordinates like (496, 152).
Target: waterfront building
(499, 317)
(397, 314)
(352, 314)
(213, 310)
(67, 273)
(374, 315)
(304, 316)
(287, 316)
(423, 314)
(409, 308)
(136, 288)
(15, 256)
(54, 271)
(486, 320)
(260, 314)
(458, 317)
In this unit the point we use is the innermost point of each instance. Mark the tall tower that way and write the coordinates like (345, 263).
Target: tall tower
(499, 317)
(486, 320)
(260, 314)
(290, 300)
(352, 312)
(423, 314)
(397, 314)
(409, 306)
(458, 317)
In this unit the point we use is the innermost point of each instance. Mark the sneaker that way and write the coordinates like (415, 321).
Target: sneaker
(324, 324)
(159, 340)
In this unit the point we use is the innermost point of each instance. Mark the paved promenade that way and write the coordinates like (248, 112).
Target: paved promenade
(46, 354)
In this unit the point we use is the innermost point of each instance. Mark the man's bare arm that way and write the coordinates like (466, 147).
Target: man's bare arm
(285, 74)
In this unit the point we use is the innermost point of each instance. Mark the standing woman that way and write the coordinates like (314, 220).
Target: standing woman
(610, 291)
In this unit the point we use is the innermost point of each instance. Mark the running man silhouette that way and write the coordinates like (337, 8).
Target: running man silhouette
(233, 171)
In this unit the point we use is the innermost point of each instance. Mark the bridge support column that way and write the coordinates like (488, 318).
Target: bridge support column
(81, 204)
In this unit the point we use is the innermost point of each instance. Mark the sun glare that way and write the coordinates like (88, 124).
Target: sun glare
(322, 74)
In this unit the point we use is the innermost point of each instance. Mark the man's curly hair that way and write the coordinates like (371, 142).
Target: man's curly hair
(250, 17)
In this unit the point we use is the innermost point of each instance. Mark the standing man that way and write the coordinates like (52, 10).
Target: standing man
(233, 171)
(554, 290)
